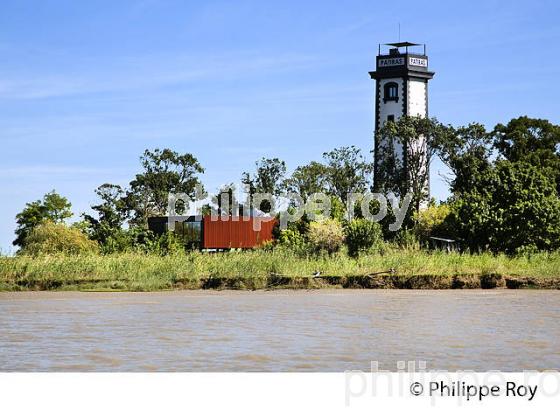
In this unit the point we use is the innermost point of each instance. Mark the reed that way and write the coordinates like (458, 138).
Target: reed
(262, 269)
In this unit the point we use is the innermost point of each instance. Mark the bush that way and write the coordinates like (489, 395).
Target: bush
(294, 241)
(50, 238)
(326, 235)
(142, 239)
(432, 222)
(167, 244)
(362, 235)
(267, 246)
(406, 239)
(119, 242)
(291, 238)
(338, 210)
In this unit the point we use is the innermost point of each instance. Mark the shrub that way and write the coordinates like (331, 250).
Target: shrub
(431, 221)
(167, 244)
(295, 241)
(338, 210)
(50, 238)
(326, 235)
(362, 235)
(142, 239)
(300, 226)
(120, 241)
(406, 239)
(267, 246)
(291, 238)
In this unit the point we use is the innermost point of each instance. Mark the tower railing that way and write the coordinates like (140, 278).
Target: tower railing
(399, 46)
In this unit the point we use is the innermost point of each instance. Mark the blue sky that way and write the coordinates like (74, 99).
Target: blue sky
(85, 87)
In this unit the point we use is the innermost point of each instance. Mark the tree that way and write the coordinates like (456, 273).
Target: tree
(530, 140)
(49, 238)
(268, 179)
(405, 152)
(505, 186)
(52, 208)
(164, 172)
(347, 172)
(112, 213)
(512, 207)
(467, 151)
(225, 201)
(308, 179)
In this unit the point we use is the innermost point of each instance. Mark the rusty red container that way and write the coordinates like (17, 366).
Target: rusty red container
(230, 233)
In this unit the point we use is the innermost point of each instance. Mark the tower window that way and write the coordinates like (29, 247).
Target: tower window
(391, 92)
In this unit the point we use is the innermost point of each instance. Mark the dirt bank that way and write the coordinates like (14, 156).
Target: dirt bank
(384, 281)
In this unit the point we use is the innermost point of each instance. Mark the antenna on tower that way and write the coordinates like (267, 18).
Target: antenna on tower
(399, 31)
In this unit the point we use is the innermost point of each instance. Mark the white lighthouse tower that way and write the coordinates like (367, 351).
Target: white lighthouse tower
(401, 88)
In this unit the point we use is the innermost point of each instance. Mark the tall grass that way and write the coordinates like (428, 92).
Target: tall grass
(132, 271)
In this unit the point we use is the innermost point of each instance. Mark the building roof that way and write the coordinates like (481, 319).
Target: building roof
(402, 44)
(435, 238)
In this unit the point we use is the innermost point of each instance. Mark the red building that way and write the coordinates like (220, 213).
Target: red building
(218, 234)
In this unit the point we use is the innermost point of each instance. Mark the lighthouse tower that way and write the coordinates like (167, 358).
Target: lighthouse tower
(401, 88)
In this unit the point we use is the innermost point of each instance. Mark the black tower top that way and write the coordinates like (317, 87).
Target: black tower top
(396, 63)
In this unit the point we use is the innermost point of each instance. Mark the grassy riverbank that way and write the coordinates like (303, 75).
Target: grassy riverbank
(278, 269)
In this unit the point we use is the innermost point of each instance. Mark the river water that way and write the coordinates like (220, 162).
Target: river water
(280, 330)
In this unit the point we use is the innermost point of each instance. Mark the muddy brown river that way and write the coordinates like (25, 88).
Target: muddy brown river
(279, 330)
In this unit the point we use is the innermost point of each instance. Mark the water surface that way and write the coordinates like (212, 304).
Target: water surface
(279, 330)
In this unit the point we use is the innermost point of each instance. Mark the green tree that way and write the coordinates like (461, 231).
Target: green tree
(164, 172)
(513, 207)
(467, 151)
(347, 171)
(225, 201)
(308, 179)
(405, 152)
(531, 140)
(268, 179)
(52, 208)
(112, 214)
